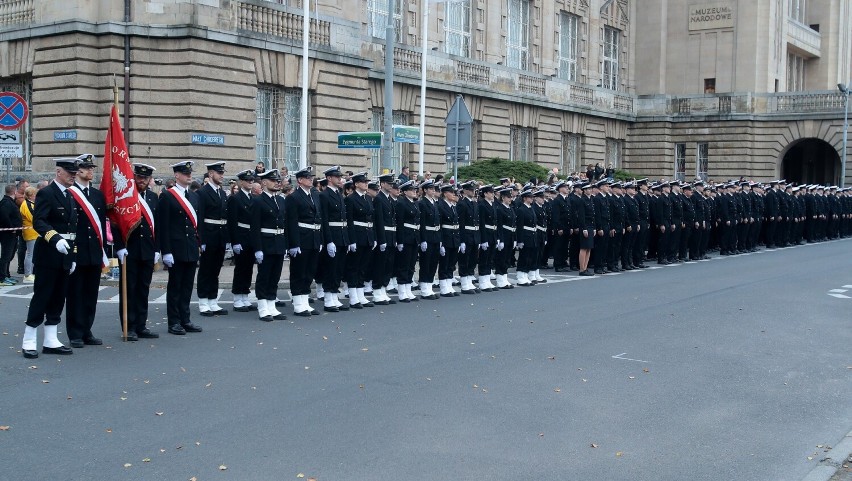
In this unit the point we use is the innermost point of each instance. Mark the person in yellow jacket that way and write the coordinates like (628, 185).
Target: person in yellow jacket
(29, 234)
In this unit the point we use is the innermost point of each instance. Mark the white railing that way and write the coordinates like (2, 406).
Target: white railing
(531, 85)
(274, 20)
(472, 73)
(16, 12)
(740, 104)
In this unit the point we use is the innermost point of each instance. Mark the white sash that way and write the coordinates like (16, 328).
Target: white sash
(187, 207)
(92, 214)
(146, 211)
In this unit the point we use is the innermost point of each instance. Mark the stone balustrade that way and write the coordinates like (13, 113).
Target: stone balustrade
(16, 12)
(275, 20)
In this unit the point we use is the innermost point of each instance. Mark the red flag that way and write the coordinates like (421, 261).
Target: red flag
(117, 182)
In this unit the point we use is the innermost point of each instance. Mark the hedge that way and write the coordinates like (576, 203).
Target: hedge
(494, 169)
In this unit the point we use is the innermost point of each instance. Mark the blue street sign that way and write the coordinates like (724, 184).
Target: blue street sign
(13, 110)
(64, 135)
(208, 139)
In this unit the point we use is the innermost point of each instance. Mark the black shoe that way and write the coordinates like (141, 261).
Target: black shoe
(508, 286)
(92, 341)
(242, 309)
(447, 295)
(61, 350)
(131, 336)
(368, 304)
(147, 334)
(279, 317)
(220, 312)
(343, 308)
(206, 314)
(543, 281)
(587, 272)
(76, 343)
(190, 327)
(267, 319)
(469, 291)
(303, 314)
(330, 309)
(405, 301)
(30, 353)
(280, 303)
(356, 306)
(561, 269)
(310, 300)
(177, 330)
(381, 303)
(598, 271)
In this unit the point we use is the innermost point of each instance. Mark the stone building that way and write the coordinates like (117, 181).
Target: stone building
(658, 87)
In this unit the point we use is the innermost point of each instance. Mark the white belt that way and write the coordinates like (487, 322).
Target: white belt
(411, 226)
(309, 226)
(390, 229)
(215, 221)
(471, 227)
(337, 224)
(526, 227)
(450, 226)
(433, 229)
(510, 229)
(362, 224)
(543, 229)
(68, 236)
(244, 226)
(491, 227)
(272, 231)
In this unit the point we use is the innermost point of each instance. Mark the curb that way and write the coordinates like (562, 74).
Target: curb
(831, 464)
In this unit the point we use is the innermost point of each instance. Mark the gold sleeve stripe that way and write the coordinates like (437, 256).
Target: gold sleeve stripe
(49, 235)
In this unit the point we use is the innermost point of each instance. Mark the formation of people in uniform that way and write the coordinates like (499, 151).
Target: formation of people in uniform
(358, 237)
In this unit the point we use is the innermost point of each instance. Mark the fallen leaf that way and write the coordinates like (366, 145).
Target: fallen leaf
(646, 370)
(193, 479)
(585, 380)
(222, 467)
(428, 378)
(45, 381)
(300, 475)
(127, 465)
(33, 367)
(631, 377)
(5, 428)
(109, 430)
(312, 479)
(179, 447)
(810, 458)
(183, 369)
(618, 454)
(324, 338)
(364, 349)
(541, 435)
(208, 384)
(159, 413)
(162, 450)
(147, 381)
(361, 386)
(557, 390)
(552, 358)
(594, 445)
(146, 460)
(69, 398)
(197, 443)
(123, 398)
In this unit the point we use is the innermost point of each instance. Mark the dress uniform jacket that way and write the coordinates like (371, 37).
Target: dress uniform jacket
(631, 212)
(450, 235)
(561, 214)
(384, 220)
(430, 221)
(213, 205)
(526, 224)
(469, 223)
(141, 243)
(175, 230)
(267, 212)
(407, 222)
(359, 216)
(239, 220)
(89, 249)
(304, 220)
(506, 222)
(602, 214)
(488, 228)
(55, 215)
(617, 212)
(333, 208)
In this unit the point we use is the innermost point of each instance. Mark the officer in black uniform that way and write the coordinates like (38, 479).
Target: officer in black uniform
(470, 237)
(138, 257)
(632, 227)
(269, 241)
(239, 227)
(430, 238)
(384, 221)
(561, 220)
(407, 240)
(215, 239)
(527, 238)
(362, 240)
(506, 220)
(617, 223)
(91, 258)
(488, 237)
(640, 246)
(450, 239)
(177, 231)
(55, 221)
(603, 228)
(335, 234)
(304, 239)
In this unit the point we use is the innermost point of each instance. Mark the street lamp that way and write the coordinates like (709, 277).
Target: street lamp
(845, 91)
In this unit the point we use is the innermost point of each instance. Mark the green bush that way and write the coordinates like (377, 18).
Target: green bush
(494, 169)
(625, 175)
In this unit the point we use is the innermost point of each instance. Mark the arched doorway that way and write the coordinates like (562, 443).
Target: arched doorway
(811, 161)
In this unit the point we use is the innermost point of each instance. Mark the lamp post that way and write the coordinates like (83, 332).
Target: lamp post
(845, 91)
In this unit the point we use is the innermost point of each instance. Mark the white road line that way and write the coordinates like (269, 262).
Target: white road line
(618, 356)
(849, 286)
(840, 296)
(838, 290)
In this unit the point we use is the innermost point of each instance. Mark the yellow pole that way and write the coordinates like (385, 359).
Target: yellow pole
(122, 268)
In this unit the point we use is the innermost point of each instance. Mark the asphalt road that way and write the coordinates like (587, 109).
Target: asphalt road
(729, 369)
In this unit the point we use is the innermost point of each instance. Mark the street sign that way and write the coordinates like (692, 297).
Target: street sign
(359, 140)
(64, 135)
(407, 134)
(11, 151)
(208, 139)
(459, 113)
(13, 111)
(10, 137)
(459, 127)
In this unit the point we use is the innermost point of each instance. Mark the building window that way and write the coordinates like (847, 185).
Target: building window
(613, 153)
(475, 139)
(24, 88)
(569, 163)
(797, 10)
(680, 161)
(400, 149)
(521, 143)
(703, 160)
(568, 28)
(378, 15)
(457, 28)
(611, 47)
(517, 42)
(709, 86)
(278, 114)
(795, 73)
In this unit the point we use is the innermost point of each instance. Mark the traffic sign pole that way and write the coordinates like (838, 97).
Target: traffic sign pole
(387, 153)
(456, 150)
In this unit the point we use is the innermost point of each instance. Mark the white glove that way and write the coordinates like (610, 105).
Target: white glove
(500, 246)
(423, 246)
(484, 246)
(258, 256)
(514, 244)
(156, 258)
(320, 249)
(294, 251)
(352, 248)
(168, 260)
(121, 254)
(62, 246)
(374, 245)
(237, 248)
(73, 268)
(228, 246)
(442, 251)
(203, 247)
(520, 245)
(400, 247)
(383, 247)
(332, 249)
(462, 247)
(104, 258)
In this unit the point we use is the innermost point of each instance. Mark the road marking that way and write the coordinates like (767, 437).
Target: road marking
(840, 296)
(618, 356)
(849, 286)
(838, 290)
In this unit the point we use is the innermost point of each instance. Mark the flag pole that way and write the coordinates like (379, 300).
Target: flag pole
(121, 268)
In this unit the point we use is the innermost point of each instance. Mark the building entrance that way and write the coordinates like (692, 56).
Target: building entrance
(811, 161)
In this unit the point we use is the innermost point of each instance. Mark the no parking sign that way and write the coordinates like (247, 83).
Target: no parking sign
(13, 111)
